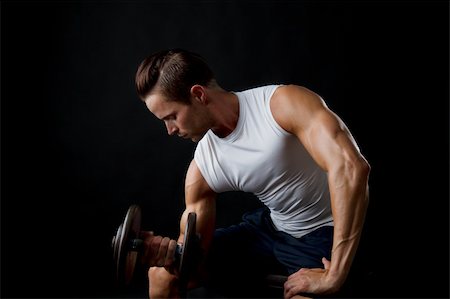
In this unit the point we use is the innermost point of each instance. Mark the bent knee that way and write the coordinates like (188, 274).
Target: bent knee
(160, 274)
(162, 284)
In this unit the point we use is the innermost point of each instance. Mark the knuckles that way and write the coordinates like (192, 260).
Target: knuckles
(159, 251)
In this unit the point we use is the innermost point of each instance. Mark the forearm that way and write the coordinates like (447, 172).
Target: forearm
(349, 201)
(205, 222)
(200, 199)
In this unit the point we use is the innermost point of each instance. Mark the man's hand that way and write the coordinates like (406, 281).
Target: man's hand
(158, 251)
(310, 281)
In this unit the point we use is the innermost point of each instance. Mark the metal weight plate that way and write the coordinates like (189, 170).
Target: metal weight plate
(188, 248)
(115, 247)
(124, 257)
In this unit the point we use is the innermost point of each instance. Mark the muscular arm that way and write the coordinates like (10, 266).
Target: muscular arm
(327, 139)
(199, 199)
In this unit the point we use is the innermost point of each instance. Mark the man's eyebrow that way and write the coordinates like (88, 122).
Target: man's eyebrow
(167, 116)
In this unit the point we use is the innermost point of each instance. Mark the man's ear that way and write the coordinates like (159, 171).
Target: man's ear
(198, 93)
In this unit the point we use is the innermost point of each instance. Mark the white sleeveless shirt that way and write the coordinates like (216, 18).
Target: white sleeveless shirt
(262, 158)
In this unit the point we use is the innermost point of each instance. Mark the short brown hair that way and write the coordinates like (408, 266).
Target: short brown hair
(174, 71)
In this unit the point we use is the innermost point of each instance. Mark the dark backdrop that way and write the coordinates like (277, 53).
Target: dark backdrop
(78, 147)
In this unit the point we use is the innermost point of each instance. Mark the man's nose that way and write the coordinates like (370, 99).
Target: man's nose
(171, 128)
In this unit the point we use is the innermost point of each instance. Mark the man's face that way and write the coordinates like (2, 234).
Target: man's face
(187, 121)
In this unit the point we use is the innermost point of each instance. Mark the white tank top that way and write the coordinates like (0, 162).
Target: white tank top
(262, 158)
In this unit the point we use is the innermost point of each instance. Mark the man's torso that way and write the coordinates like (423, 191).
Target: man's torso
(262, 158)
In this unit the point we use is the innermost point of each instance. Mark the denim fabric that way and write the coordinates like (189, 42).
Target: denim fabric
(243, 254)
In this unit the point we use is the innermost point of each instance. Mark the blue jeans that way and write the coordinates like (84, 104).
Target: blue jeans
(243, 254)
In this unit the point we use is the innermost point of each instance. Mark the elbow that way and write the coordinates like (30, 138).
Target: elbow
(362, 174)
(358, 171)
(358, 168)
(363, 169)
(353, 173)
(355, 170)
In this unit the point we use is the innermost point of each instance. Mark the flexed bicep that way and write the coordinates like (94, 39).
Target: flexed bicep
(200, 199)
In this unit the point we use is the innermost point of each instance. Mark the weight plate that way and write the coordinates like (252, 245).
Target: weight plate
(115, 248)
(126, 258)
(188, 242)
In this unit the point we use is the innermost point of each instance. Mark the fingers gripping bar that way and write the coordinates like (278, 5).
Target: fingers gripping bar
(127, 246)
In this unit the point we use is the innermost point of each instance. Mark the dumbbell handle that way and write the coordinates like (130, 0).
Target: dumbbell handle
(137, 244)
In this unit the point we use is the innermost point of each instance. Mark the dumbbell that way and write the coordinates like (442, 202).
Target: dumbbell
(127, 247)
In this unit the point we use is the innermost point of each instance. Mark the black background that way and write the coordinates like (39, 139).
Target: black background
(78, 147)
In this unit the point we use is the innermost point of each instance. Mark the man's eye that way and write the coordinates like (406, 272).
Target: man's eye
(169, 117)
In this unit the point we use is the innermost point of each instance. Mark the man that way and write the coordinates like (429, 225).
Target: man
(281, 143)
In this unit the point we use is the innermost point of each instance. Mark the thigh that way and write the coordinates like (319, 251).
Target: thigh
(237, 247)
(240, 257)
(304, 252)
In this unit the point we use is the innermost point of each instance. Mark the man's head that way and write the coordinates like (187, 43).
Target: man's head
(173, 85)
(172, 73)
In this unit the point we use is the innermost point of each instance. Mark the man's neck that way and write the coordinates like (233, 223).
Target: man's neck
(225, 110)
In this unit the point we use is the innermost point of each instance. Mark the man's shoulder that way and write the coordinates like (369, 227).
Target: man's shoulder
(262, 87)
(257, 92)
(294, 92)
